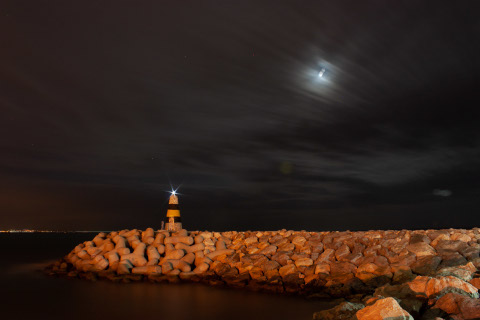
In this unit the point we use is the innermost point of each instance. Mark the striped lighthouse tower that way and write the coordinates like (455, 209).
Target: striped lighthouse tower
(173, 222)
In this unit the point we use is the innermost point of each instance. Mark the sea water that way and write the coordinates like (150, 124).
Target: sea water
(27, 293)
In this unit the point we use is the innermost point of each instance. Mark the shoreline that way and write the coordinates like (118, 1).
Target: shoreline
(364, 267)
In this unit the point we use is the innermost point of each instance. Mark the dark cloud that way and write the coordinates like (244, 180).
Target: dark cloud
(105, 104)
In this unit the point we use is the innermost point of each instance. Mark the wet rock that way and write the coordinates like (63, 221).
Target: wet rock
(344, 311)
(387, 308)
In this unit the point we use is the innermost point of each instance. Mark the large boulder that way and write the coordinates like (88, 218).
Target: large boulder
(461, 306)
(464, 272)
(344, 311)
(421, 249)
(384, 309)
(428, 287)
(426, 265)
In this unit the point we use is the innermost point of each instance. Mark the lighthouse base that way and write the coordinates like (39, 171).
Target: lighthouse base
(173, 224)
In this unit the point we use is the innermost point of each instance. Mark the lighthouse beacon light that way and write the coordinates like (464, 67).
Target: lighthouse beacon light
(173, 221)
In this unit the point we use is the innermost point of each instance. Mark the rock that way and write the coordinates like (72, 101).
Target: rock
(355, 258)
(322, 268)
(286, 270)
(304, 262)
(403, 275)
(269, 250)
(460, 237)
(299, 241)
(344, 311)
(327, 255)
(387, 308)
(458, 304)
(475, 282)
(428, 287)
(421, 249)
(416, 238)
(464, 272)
(342, 252)
(439, 238)
(287, 247)
(340, 268)
(451, 259)
(270, 265)
(426, 265)
(250, 241)
(451, 245)
(281, 257)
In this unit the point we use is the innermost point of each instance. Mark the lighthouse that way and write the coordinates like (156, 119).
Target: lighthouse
(173, 222)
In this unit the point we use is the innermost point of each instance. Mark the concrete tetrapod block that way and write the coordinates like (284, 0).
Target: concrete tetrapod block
(182, 246)
(199, 239)
(152, 253)
(175, 240)
(203, 267)
(217, 253)
(148, 233)
(113, 259)
(159, 238)
(160, 248)
(137, 258)
(147, 270)
(107, 246)
(169, 248)
(189, 258)
(124, 267)
(181, 233)
(153, 262)
(199, 254)
(199, 261)
(98, 240)
(181, 265)
(166, 267)
(83, 255)
(121, 245)
(100, 263)
(94, 251)
(174, 254)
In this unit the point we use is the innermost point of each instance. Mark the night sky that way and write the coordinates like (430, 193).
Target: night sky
(104, 104)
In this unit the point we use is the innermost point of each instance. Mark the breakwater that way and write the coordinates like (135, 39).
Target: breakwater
(416, 269)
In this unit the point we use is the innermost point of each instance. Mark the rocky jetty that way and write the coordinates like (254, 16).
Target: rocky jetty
(423, 274)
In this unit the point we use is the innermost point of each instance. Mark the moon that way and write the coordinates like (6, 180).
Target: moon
(322, 71)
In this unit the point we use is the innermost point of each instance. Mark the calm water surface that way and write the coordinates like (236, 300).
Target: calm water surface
(27, 293)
